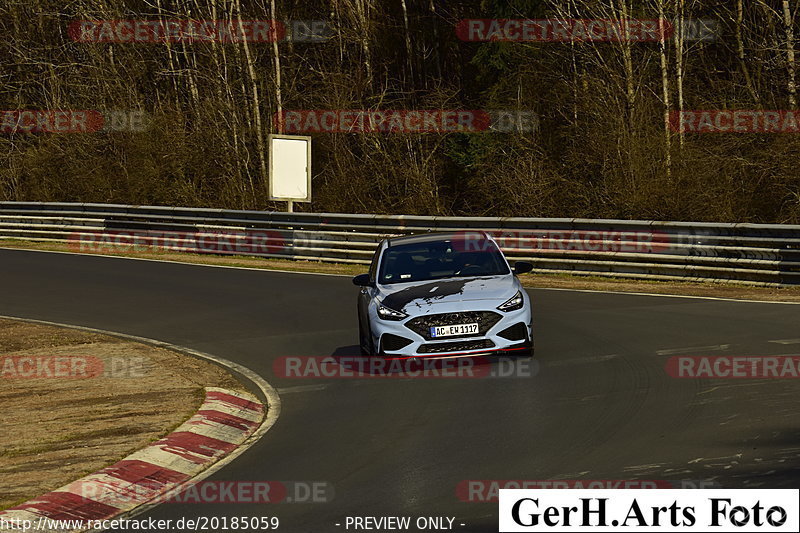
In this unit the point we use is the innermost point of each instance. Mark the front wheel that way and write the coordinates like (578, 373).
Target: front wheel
(365, 339)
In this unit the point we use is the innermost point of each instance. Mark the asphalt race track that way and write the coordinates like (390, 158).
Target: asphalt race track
(601, 407)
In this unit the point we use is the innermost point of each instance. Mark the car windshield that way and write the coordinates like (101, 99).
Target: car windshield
(439, 259)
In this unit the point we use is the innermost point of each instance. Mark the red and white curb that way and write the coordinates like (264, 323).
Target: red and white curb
(225, 420)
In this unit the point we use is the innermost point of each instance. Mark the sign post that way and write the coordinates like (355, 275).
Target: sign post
(290, 169)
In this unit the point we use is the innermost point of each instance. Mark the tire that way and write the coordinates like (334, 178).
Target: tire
(528, 354)
(365, 340)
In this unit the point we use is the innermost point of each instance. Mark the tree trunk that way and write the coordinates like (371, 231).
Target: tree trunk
(363, 9)
(662, 41)
(409, 52)
(740, 49)
(788, 21)
(277, 62)
(679, 47)
(256, 99)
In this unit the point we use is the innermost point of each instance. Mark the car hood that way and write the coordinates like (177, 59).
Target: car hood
(416, 296)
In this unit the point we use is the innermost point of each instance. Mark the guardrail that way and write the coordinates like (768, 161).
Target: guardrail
(755, 254)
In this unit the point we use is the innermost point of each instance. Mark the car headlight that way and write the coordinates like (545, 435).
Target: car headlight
(390, 314)
(513, 303)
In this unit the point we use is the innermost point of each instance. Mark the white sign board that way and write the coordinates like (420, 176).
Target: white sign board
(290, 168)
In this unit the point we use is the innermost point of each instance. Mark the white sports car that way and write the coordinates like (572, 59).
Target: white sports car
(443, 295)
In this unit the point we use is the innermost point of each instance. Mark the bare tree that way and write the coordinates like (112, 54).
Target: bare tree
(788, 21)
(662, 47)
(741, 51)
(276, 58)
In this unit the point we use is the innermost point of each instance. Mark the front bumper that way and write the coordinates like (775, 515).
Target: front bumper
(510, 333)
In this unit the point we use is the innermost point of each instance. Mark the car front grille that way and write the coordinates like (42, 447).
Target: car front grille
(459, 346)
(422, 325)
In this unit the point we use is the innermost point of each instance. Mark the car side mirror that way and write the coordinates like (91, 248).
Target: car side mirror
(521, 267)
(362, 280)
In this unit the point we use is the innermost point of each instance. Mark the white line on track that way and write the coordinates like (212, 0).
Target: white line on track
(582, 360)
(712, 348)
(713, 298)
(786, 341)
(301, 388)
(281, 271)
(182, 262)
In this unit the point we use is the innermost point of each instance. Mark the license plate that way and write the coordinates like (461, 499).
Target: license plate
(455, 329)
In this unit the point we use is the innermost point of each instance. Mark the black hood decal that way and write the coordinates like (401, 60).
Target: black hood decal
(426, 292)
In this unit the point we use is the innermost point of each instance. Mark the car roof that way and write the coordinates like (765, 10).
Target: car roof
(433, 237)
